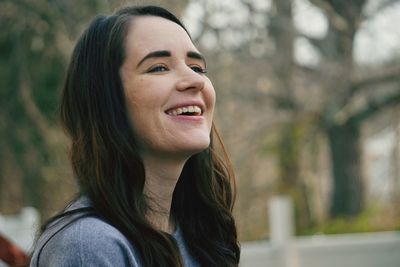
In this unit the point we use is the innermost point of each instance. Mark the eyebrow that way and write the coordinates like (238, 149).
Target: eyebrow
(196, 55)
(155, 54)
(165, 53)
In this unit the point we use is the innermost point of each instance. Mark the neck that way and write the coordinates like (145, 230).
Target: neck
(161, 178)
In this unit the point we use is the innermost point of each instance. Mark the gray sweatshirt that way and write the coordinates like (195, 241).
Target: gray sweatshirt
(90, 241)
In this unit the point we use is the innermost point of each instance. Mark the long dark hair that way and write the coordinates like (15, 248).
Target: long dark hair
(106, 161)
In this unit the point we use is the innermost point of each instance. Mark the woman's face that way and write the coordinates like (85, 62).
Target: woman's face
(169, 98)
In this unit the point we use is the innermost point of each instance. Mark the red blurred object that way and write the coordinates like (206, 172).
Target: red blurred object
(11, 254)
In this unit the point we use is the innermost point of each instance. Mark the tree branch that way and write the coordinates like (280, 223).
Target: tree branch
(381, 76)
(335, 19)
(31, 109)
(366, 109)
(375, 106)
(30, 106)
(381, 7)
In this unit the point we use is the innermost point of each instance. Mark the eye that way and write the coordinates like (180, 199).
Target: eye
(159, 68)
(198, 69)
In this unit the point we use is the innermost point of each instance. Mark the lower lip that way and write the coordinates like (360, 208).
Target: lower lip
(187, 118)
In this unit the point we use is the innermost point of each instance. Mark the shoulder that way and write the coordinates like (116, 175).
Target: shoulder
(187, 257)
(88, 241)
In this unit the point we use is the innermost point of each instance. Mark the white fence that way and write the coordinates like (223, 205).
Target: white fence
(21, 228)
(350, 250)
(283, 250)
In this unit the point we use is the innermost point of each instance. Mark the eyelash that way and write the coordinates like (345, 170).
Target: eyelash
(197, 69)
(157, 69)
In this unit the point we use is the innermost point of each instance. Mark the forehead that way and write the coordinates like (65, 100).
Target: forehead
(150, 33)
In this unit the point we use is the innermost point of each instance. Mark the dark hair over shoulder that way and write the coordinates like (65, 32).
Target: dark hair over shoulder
(105, 156)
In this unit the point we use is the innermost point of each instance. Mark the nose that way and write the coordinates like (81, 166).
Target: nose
(189, 80)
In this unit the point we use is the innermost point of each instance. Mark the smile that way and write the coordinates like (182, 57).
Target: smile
(186, 111)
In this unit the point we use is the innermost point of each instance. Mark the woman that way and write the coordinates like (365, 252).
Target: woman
(138, 108)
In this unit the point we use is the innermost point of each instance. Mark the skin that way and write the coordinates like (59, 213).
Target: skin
(153, 85)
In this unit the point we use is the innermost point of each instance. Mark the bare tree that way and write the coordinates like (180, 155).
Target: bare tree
(280, 97)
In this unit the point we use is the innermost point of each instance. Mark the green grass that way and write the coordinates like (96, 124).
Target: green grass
(374, 219)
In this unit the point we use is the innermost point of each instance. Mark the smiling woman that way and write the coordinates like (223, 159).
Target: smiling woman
(138, 108)
(163, 78)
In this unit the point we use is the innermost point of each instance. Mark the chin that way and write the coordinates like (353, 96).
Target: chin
(195, 147)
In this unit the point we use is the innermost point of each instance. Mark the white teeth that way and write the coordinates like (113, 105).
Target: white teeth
(192, 109)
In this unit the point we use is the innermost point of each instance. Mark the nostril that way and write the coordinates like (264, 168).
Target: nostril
(190, 79)
(190, 85)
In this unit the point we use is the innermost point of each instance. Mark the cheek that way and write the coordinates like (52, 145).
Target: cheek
(144, 101)
(139, 118)
(135, 106)
(137, 97)
(210, 96)
(214, 97)
(132, 105)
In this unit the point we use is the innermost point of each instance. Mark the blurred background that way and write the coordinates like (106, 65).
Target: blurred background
(308, 103)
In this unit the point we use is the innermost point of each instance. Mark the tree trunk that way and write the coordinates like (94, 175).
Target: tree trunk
(348, 188)
(395, 161)
(288, 158)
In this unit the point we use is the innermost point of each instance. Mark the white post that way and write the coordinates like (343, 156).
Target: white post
(281, 222)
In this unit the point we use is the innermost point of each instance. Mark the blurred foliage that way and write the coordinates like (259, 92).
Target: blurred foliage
(35, 45)
(34, 51)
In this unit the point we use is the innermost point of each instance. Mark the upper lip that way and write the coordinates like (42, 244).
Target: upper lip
(187, 103)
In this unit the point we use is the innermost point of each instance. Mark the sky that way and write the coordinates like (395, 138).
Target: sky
(377, 41)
